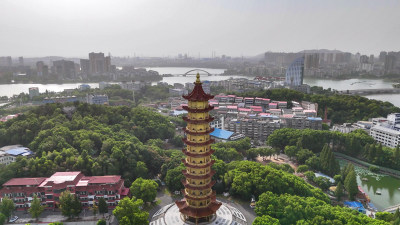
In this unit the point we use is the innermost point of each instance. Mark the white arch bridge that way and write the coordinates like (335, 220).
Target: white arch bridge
(194, 72)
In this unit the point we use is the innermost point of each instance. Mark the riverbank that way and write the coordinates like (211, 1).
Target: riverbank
(384, 170)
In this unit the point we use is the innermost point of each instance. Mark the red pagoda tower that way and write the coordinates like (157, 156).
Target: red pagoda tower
(199, 203)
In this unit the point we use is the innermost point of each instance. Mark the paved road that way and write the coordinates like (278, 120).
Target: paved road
(166, 199)
(55, 216)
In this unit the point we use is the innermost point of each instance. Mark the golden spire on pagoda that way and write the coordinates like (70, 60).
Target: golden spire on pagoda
(198, 78)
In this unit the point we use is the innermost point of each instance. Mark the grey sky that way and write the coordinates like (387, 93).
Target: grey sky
(169, 27)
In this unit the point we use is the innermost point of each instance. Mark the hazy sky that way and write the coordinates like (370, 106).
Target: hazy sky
(168, 27)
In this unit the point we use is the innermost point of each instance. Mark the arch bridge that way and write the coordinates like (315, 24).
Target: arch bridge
(188, 72)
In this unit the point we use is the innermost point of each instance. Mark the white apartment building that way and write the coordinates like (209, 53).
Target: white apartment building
(385, 136)
(5, 158)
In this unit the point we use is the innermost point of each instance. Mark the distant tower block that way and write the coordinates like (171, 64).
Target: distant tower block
(199, 204)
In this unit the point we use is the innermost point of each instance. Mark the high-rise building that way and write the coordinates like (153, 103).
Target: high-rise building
(64, 68)
(311, 61)
(42, 69)
(199, 203)
(390, 62)
(85, 64)
(382, 56)
(295, 72)
(21, 61)
(33, 91)
(6, 61)
(98, 64)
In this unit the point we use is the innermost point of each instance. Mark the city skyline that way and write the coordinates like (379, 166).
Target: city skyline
(159, 28)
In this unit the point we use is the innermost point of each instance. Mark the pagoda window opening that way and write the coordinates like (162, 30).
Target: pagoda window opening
(201, 204)
(201, 161)
(201, 182)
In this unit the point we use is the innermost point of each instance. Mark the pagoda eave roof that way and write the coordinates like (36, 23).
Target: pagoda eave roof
(198, 166)
(187, 210)
(198, 155)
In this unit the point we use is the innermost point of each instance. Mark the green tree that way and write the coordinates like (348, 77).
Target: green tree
(302, 169)
(70, 204)
(174, 177)
(141, 170)
(303, 155)
(7, 207)
(339, 192)
(56, 223)
(128, 212)
(36, 208)
(290, 151)
(266, 220)
(103, 207)
(95, 209)
(144, 189)
(101, 222)
(3, 218)
(351, 184)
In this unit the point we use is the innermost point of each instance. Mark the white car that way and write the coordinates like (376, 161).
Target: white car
(12, 220)
(252, 203)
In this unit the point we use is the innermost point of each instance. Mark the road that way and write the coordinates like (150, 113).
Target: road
(166, 199)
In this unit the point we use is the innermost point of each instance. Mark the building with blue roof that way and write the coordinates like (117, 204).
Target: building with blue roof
(225, 135)
(8, 154)
(355, 205)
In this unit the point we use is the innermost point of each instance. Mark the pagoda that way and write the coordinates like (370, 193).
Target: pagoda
(199, 203)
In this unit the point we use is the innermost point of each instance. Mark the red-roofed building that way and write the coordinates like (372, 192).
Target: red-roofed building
(88, 189)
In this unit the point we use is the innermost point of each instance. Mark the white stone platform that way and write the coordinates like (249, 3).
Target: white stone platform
(226, 215)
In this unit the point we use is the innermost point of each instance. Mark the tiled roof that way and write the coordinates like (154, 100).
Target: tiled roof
(24, 181)
(103, 179)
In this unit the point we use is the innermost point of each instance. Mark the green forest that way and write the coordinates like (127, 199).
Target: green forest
(105, 140)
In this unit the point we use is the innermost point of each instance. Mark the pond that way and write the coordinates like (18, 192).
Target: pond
(387, 185)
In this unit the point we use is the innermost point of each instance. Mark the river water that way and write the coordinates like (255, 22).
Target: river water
(387, 185)
(350, 84)
(353, 84)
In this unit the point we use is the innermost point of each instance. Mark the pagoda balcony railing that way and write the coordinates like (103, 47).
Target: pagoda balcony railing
(198, 155)
(207, 120)
(188, 164)
(197, 187)
(198, 143)
(197, 132)
(198, 176)
(196, 110)
(198, 197)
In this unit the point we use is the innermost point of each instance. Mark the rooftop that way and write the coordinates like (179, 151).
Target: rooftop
(24, 181)
(61, 177)
(221, 134)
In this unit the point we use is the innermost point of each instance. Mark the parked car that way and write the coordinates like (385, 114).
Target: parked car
(12, 220)
(252, 203)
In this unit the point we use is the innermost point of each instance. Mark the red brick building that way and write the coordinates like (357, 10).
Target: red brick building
(88, 189)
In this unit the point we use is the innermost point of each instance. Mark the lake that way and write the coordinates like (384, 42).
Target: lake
(15, 89)
(387, 185)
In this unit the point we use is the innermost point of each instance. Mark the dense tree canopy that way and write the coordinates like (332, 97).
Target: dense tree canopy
(128, 212)
(94, 139)
(144, 189)
(292, 209)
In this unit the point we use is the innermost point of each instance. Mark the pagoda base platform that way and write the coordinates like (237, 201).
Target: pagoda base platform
(226, 215)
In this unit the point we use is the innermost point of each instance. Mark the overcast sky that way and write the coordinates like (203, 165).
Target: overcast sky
(168, 27)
